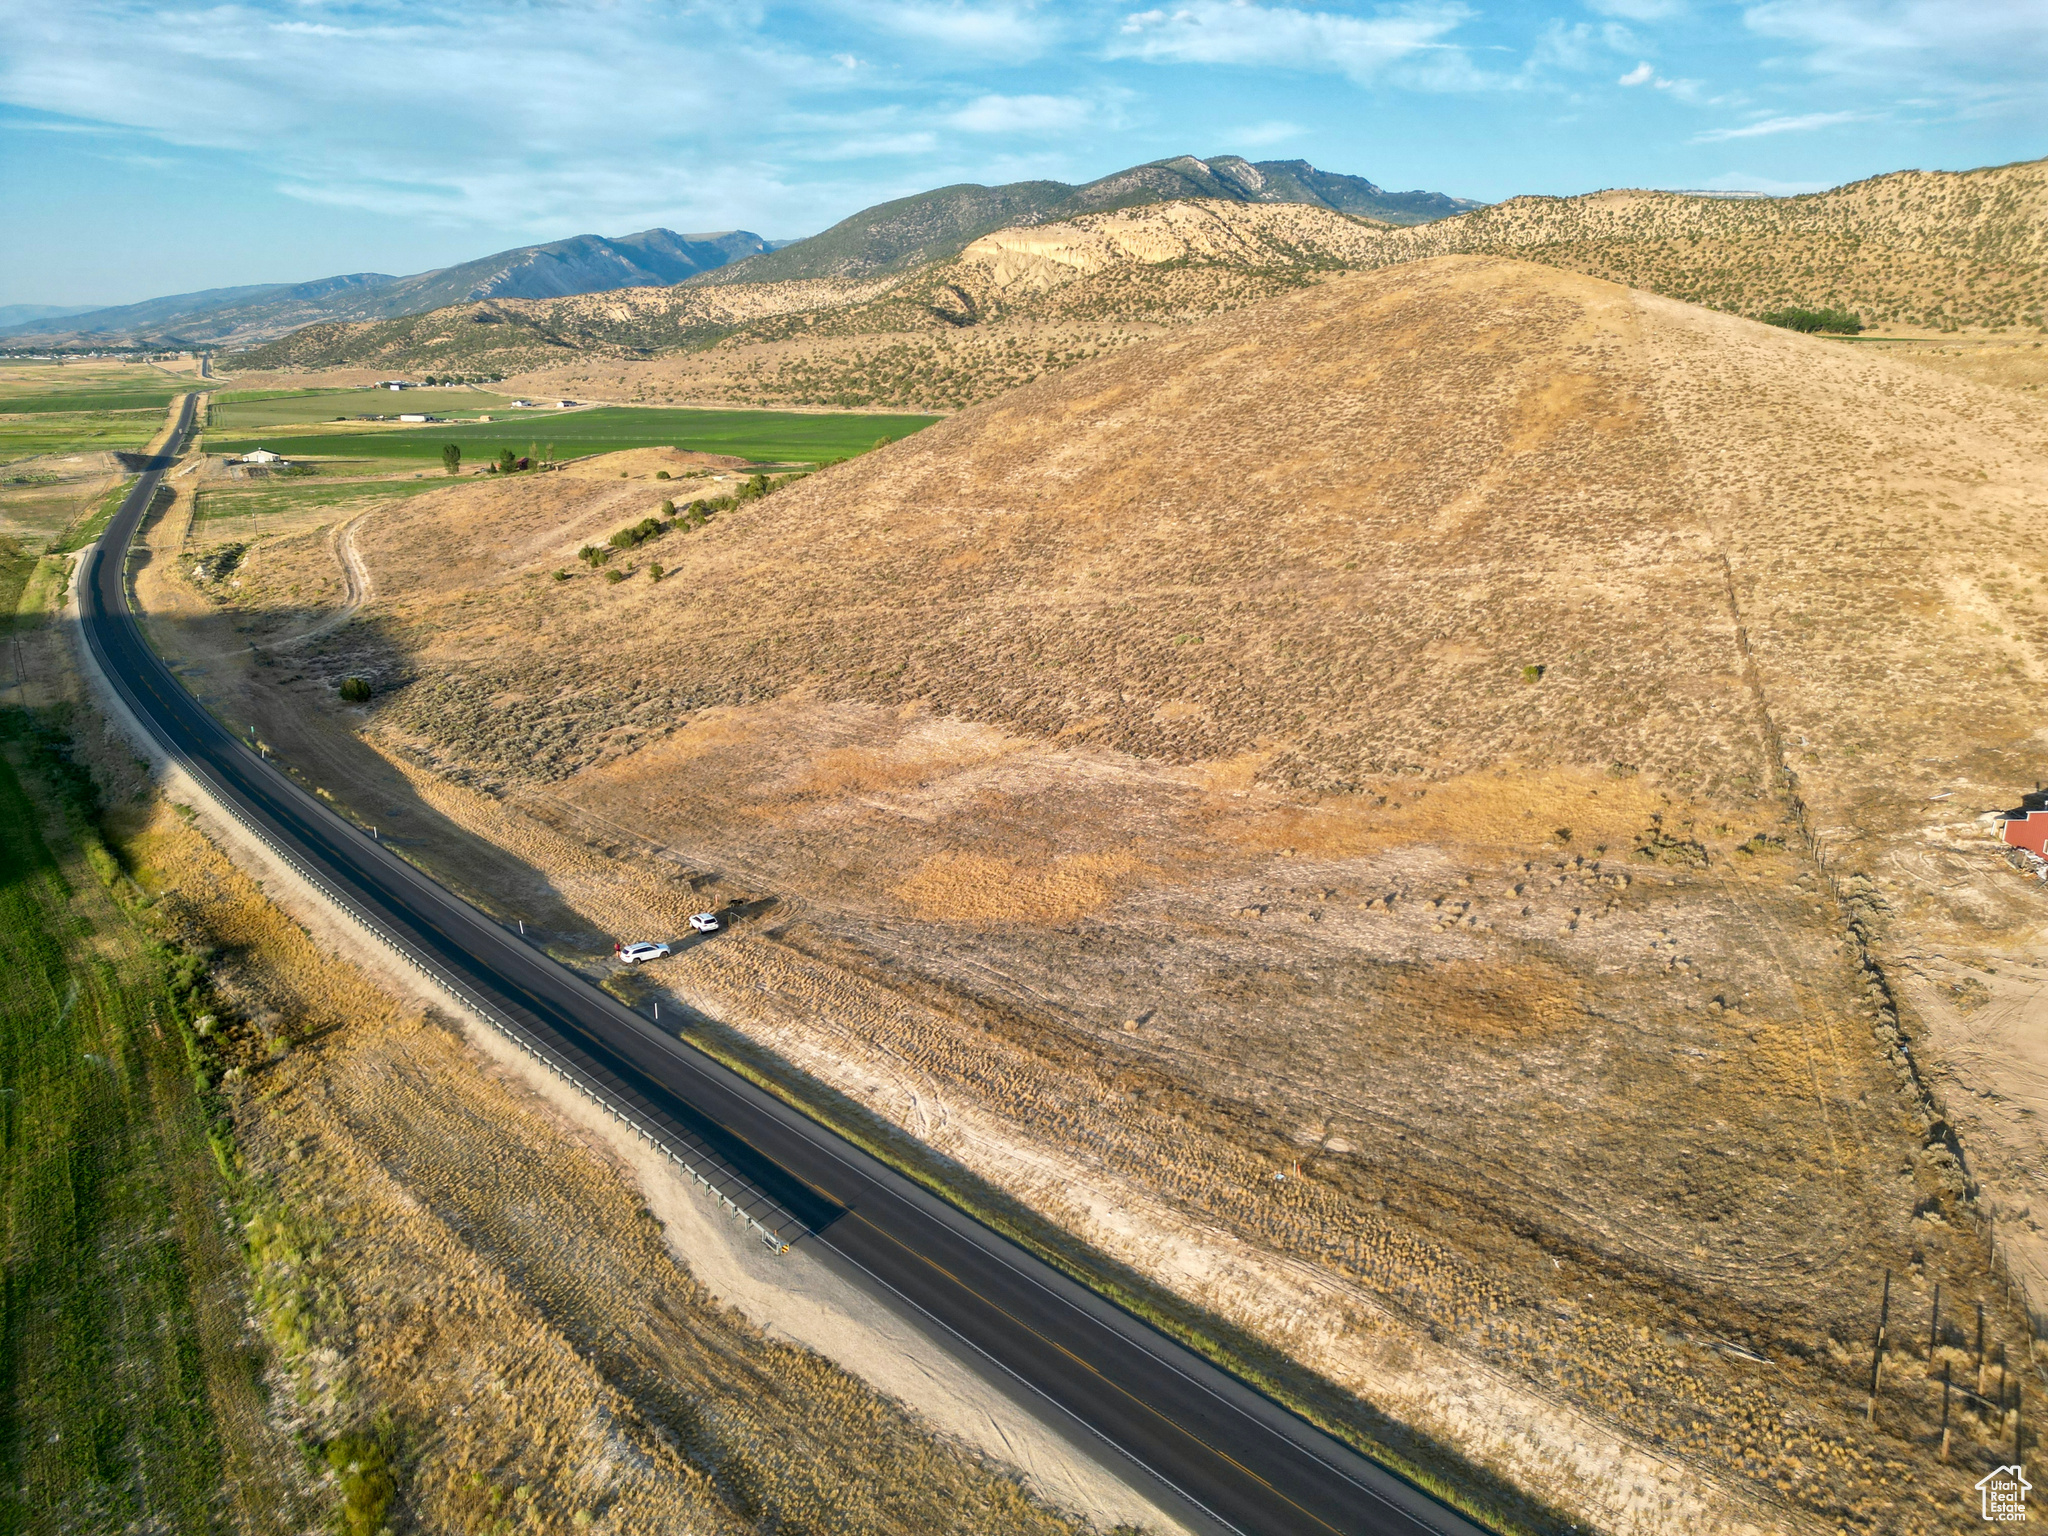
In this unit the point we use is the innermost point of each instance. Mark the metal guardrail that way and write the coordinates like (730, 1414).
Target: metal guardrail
(715, 1182)
(659, 1140)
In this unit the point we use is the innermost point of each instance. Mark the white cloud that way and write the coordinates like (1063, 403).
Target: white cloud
(1744, 181)
(1023, 114)
(1805, 122)
(1239, 32)
(867, 146)
(1643, 74)
(1637, 10)
(1262, 135)
(1971, 57)
(994, 31)
(1887, 36)
(510, 117)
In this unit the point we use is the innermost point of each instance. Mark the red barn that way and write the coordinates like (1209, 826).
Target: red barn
(2027, 827)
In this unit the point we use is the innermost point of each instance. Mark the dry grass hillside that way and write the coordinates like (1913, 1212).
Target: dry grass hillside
(1913, 252)
(1433, 817)
(1933, 250)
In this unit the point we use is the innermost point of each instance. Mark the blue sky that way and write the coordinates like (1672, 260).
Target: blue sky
(152, 148)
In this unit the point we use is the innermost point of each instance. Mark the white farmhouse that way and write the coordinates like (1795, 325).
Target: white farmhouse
(262, 456)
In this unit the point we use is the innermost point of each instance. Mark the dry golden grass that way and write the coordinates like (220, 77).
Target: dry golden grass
(446, 1256)
(1149, 763)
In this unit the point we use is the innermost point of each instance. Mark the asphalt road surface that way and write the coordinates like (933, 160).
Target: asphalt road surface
(1210, 1450)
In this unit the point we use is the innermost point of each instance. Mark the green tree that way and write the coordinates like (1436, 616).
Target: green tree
(1838, 321)
(451, 458)
(508, 461)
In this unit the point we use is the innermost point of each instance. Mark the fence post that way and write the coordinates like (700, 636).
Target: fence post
(1944, 1413)
(1884, 1312)
(1934, 1325)
(1980, 1349)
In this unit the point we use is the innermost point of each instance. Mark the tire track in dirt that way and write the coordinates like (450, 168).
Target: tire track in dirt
(355, 574)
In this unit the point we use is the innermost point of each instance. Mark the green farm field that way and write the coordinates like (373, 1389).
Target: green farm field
(42, 389)
(89, 527)
(104, 1374)
(266, 500)
(762, 436)
(231, 413)
(28, 437)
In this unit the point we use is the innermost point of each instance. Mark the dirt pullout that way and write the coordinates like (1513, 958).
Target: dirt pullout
(645, 463)
(1385, 810)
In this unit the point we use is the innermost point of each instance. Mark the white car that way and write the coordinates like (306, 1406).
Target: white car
(704, 922)
(633, 954)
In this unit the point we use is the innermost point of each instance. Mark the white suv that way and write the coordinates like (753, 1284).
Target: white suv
(633, 954)
(704, 922)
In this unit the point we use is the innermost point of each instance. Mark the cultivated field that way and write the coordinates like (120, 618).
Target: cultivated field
(135, 1397)
(62, 430)
(765, 436)
(1432, 819)
(240, 412)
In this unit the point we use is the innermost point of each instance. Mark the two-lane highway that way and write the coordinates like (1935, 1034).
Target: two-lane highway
(1207, 1448)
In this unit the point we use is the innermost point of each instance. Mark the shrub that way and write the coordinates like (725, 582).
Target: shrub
(561, 575)
(1533, 674)
(1838, 321)
(654, 571)
(363, 1472)
(661, 474)
(668, 509)
(616, 576)
(355, 690)
(639, 533)
(757, 485)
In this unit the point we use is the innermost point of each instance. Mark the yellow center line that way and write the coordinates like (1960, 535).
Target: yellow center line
(1092, 1370)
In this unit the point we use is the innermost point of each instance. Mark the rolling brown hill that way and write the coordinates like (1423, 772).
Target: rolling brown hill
(1434, 817)
(1918, 252)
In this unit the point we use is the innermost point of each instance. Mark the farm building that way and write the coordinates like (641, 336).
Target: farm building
(2027, 827)
(262, 456)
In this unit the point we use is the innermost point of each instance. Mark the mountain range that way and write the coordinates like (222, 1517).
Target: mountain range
(654, 258)
(932, 225)
(889, 237)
